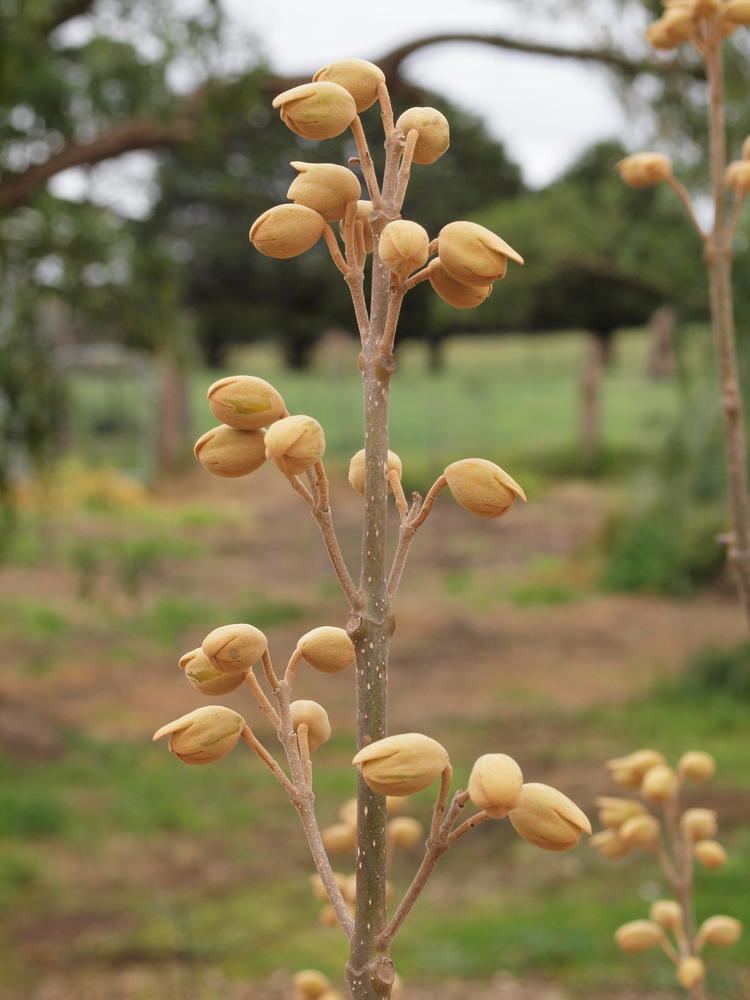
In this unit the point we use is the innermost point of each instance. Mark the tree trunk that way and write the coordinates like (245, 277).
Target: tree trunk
(173, 428)
(591, 393)
(662, 363)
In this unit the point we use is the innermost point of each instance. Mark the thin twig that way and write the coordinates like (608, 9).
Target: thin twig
(260, 696)
(322, 514)
(333, 248)
(300, 488)
(254, 743)
(409, 527)
(365, 160)
(405, 168)
(303, 738)
(684, 195)
(386, 109)
(391, 321)
(438, 813)
(291, 667)
(434, 491)
(468, 824)
(273, 680)
(422, 275)
(394, 481)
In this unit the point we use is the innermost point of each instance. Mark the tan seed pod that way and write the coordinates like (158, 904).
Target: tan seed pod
(403, 247)
(738, 176)
(349, 889)
(234, 648)
(286, 231)
(660, 783)
(473, 255)
(395, 804)
(205, 677)
(310, 984)
(316, 719)
(737, 12)
(348, 813)
(319, 110)
(614, 811)
(710, 854)
(706, 8)
(697, 766)
(357, 469)
(328, 918)
(679, 21)
(630, 770)
(640, 831)
(700, 824)
(610, 845)
(667, 913)
(403, 831)
(645, 169)
(690, 972)
(455, 293)
(327, 648)
(545, 817)
(245, 402)
(401, 765)
(326, 188)
(364, 209)
(204, 735)
(319, 890)
(660, 36)
(639, 935)
(433, 131)
(339, 838)
(295, 444)
(495, 784)
(227, 452)
(358, 76)
(481, 487)
(719, 931)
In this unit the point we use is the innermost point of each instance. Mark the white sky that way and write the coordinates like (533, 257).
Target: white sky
(545, 110)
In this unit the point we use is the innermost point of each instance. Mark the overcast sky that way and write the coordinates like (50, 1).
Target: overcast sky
(545, 110)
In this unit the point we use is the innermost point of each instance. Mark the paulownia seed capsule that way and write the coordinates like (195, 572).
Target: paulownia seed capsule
(473, 255)
(327, 648)
(403, 246)
(310, 984)
(316, 719)
(286, 231)
(481, 487)
(246, 402)
(645, 169)
(719, 931)
(319, 110)
(659, 783)
(204, 735)
(204, 676)
(234, 648)
(326, 188)
(364, 208)
(545, 817)
(357, 469)
(700, 824)
(230, 453)
(495, 784)
(639, 935)
(456, 293)
(667, 913)
(401, 765)
(403, 831)
(697, 766)
(433, 131)
(690, 972)
(357, 76)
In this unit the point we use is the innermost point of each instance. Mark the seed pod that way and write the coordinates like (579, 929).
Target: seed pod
(629, 770)
(364, 208)
(339, 837)
(737, 12)
(667, 913)
(660, 783)
(348, 813)
(495, 784)
(295, 444)
(401, 765)
(328, 918)
(205, 677)
(403, 831)
(433, 129)
(639, 935)
(679, 22)
(234, 649)
(645, 169)
(700, 824)
(610, 845)
(548, 819)
(357, 76)
(403, 247)
(738, 176)
(204, 735)
(395, 804)
(357, 469)
(474, 255)
(614, 811)
(481, 487)
(245, 402)
(455, 293)
(326, 188)
(660, 36)
(349, 889)
(319, 110)
(230, 453)
(327, 648)
(310, 984)
(710, 853)
(719, 931)
(316, 718)
(286, 231)
(690, 972)
(319, 890)
(697, 766)
(706, 8)
(640, 831)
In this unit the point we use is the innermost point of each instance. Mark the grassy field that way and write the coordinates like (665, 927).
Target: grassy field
(124, 874)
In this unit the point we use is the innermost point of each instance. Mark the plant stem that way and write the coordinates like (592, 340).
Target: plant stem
(719, 256)
(369, 969)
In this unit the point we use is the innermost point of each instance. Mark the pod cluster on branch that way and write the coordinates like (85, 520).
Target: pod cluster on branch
(677, 838)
